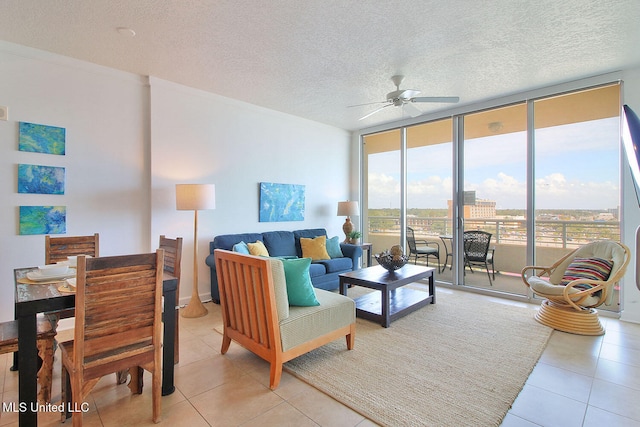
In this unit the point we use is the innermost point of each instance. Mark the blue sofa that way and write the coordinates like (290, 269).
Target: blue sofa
(324, 274)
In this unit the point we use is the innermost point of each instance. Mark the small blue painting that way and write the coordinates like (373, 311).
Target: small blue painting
(40, 179)
(43, 220)
(41, 139)
(281, 202)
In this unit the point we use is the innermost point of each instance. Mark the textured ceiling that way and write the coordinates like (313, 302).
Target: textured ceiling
(314, 58)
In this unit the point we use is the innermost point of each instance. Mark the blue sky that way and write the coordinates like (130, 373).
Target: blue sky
(577, 167)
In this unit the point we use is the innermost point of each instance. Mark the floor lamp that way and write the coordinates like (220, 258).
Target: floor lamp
(195, 197)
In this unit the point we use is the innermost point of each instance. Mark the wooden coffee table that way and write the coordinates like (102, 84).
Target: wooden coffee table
(393, 301)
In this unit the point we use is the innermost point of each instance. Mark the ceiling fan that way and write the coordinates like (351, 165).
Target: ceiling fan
(405, 98)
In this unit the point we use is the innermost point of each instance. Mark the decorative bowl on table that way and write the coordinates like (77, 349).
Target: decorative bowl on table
(53, 270)
(391, 262)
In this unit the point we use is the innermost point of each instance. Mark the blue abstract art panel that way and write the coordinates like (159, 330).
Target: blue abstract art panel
(41, 139)
(43, 220)
(281, 202)
(41, 179)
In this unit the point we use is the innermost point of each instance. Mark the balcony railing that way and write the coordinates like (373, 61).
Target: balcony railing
(550, 233)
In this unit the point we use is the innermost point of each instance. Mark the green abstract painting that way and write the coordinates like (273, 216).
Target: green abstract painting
(41, 139)
(41, 179)
(43, 219)
(281, 202)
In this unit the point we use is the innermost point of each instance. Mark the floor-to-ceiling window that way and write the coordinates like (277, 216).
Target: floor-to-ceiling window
(577, 172)
(381, 211)
(541, 176)
(429, 185)
(495, 183)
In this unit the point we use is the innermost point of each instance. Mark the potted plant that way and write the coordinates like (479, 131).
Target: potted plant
(354, 236)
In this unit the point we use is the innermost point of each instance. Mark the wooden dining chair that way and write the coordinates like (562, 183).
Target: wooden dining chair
(44, 342)
(172, 260)
(118, 326)
(60, 248)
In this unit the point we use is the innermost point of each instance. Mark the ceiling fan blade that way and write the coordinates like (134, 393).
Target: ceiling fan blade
(367, 103)
(445, 99)
(375, 111)
(408, 94)
(411, 109)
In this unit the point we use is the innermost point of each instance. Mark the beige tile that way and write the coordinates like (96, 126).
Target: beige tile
(615, 398)
(548, 409)
(561, 381)
(205, 374)
(618, 373)
(622, 338)
(325, 410)
(620, 354)
(235, 402)
(194, 350)
(511, 420)
(573, 352)
(597, 418)
(283, 415)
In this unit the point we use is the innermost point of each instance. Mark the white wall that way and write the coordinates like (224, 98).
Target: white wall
(199, 137)
(128, 143)
(103, 113)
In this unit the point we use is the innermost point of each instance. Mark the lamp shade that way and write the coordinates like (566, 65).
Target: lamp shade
(348, 208)
(194, 197)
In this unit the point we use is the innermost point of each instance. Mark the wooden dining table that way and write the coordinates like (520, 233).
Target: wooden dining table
(34, 298)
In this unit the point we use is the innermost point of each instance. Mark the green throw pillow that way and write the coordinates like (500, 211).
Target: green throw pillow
(299, 289)
(333, 248)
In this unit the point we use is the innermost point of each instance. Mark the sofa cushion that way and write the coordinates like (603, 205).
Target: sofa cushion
(257, 248)
(241, 248)
(333, 248)
(305, 323)
(316, 270)
(279, 243)
(315, 248)
(337, 264)
(300, 291)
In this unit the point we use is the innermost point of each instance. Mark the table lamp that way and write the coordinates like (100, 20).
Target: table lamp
(195, 197)
(348, 209)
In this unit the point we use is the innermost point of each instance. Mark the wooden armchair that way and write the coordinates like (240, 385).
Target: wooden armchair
(577, 283)
(118, 326)
(256, 313)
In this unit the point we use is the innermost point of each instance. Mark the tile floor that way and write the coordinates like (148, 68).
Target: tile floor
(579, 381)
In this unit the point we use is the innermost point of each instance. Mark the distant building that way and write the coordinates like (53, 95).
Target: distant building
(481, 208)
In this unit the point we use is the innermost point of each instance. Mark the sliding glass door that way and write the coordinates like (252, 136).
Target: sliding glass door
(538, 178)
(495, 198)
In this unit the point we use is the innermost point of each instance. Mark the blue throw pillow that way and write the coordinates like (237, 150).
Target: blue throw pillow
(241, 248)
(299, 288)
(333, 248)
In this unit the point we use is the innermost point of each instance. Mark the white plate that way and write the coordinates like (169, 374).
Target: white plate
(36, 276)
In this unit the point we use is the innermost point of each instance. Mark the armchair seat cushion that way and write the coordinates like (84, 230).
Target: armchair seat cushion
(543, 287)
(305, 323)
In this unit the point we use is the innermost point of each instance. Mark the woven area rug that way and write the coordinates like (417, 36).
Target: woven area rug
(460, 362)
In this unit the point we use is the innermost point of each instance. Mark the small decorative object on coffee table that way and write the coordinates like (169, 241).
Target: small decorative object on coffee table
(392, 259)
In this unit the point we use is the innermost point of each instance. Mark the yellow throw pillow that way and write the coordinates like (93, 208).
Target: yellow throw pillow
(258, 248)
(315, 248)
